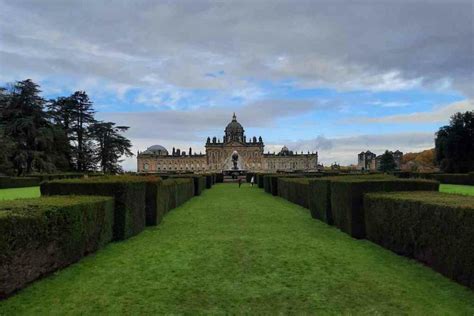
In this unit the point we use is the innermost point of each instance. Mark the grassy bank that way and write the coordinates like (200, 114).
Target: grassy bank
(18, 193)
(241, 250)
(457, 189)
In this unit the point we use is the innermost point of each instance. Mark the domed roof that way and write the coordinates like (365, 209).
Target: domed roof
(284, 151)
(156, 150)
(234, 127)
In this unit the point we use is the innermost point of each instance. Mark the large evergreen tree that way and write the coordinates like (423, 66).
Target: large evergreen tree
(26, 123)
(111, 145)
(455, 144)
(61, 112)
(387, 162)
(82, 117)
(36, 136)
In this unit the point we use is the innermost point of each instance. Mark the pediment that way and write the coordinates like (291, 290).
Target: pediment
(234, 144)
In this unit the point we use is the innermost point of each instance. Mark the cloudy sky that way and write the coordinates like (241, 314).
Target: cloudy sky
(338, 77)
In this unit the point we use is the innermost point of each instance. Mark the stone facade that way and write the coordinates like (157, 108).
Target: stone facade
(370, 161)
(218, 156)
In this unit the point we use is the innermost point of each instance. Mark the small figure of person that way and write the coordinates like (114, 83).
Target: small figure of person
(240, 182)
(252, 180)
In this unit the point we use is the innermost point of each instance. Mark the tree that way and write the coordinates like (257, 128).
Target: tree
(25, 122)
(110, 145)
(387, 162)
(82, 116)
(61, 111)
(454, 144)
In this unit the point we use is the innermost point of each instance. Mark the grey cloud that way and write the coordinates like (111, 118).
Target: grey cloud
(189, 125)
(439, 114)
(345, 149)
(342, 44)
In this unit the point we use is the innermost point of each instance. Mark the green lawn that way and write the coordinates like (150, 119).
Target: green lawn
(17, 193)
(458, 189)
(243, 251)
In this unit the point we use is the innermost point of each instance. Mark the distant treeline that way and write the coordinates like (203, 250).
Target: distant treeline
(62, 134)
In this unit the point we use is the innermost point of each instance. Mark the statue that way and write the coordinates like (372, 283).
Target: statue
(235, 158)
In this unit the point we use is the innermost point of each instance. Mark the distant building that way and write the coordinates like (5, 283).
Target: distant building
(218, 156)
(370, 161)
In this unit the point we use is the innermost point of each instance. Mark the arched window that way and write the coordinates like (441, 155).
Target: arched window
(145, 166)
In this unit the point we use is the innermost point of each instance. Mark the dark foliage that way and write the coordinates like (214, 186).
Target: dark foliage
(432, 227)
(454, 144)
(59, 135)
(129, 193)
(387, 162)
(347, 198)
(40, 236)
(111, 145)
(295, 190)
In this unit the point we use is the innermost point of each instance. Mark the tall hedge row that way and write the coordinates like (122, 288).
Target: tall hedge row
(39, 236)
(347, 198)
(447, 178)
(295, 190)
(319, 200)
(129, 193)
(172, 193)
(432, 227)
(18, 182)
(320, 196)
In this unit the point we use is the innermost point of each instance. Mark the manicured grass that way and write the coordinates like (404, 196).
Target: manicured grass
(19, 193)
(456, 188)
(243, 251)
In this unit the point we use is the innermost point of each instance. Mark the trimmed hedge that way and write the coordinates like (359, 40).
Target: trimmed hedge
(172, 193)
(18, 182)
(319, 200)
(447, 178)
(347, 198)
(199, 182)
(260, 179)
(320, 194)
(295, 190)
(152, 216)
(129, 193)
(208, 181)
(432, 227)
(454, 178)
(184, 190)
(57, 176)
(39, 236)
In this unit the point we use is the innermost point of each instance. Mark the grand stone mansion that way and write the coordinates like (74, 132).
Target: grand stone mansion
(218, 156)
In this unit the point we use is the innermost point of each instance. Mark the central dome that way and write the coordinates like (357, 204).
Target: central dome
(234, 131)
(156, 150)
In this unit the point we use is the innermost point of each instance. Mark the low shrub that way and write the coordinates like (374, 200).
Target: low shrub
(39, 236)
(432, 227)
(18, 182)
(129, 193)
(219, 178)
(347, 198)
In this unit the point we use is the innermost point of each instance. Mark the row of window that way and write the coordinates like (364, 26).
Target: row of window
(146, 167)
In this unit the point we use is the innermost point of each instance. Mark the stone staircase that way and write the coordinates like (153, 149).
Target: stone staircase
(228, 179)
